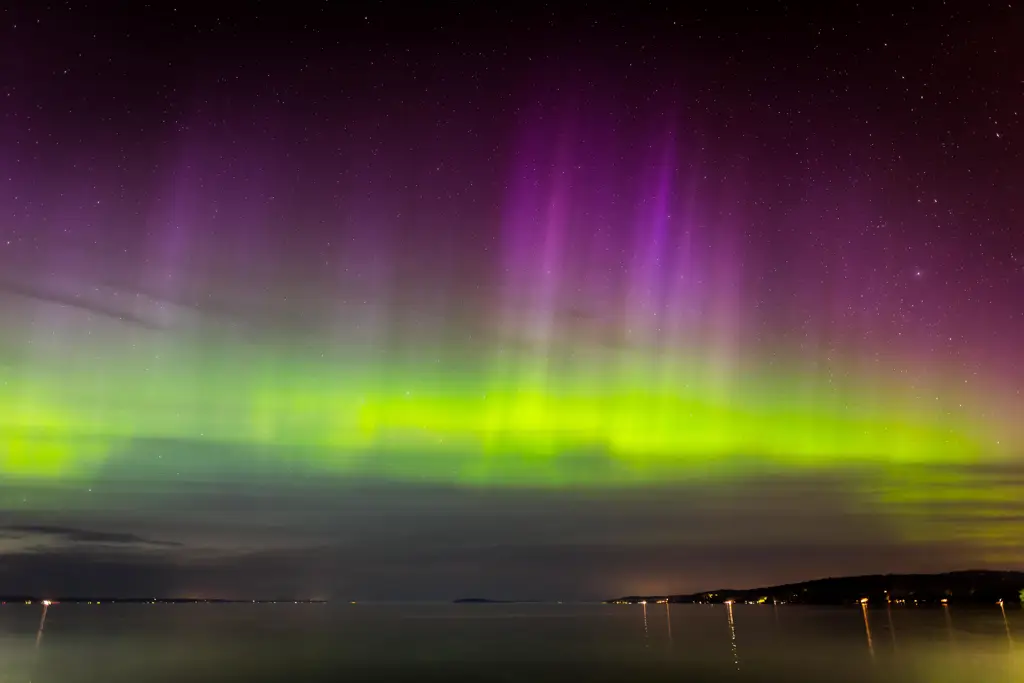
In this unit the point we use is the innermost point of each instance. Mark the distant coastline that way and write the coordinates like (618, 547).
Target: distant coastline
(972, 587)
(25, 599)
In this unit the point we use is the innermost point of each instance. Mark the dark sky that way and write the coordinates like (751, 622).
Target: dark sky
(369, 302)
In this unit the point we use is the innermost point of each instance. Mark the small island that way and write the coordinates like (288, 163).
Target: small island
(489, 601)
(973, 587)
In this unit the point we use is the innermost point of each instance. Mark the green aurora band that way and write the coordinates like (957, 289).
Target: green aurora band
(631, 424)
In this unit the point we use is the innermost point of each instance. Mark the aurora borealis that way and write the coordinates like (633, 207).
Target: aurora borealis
(528, 258)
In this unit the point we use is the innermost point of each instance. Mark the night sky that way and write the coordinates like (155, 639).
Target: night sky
(330, 300)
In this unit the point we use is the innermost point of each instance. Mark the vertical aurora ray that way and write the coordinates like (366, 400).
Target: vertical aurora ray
(646, 302)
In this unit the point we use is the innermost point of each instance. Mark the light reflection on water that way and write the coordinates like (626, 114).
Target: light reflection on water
(867, 629)
(892, 626)
(1006, 623)
(668, 624)
(115, 643)
(732, 637)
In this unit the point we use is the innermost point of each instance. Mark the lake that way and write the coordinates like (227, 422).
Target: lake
(508, 642)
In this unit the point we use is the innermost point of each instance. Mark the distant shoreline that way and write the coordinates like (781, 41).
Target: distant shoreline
(17, 600)
(972, 587)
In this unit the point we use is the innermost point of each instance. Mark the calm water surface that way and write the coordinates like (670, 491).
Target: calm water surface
(285, 642)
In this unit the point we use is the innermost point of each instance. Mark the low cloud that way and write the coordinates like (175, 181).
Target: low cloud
(45, 534)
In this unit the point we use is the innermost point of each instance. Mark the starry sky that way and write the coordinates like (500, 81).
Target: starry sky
(533, 302)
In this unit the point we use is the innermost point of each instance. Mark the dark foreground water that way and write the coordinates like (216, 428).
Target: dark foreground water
(367, 642)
